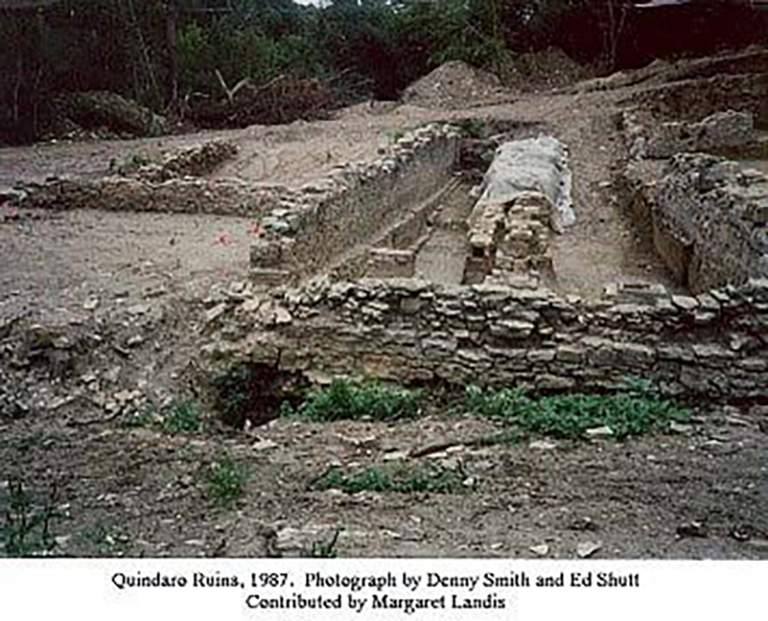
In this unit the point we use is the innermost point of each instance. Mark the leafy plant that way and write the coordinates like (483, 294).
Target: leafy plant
(26, 530)
(140, 418)
(633, 412)
(344, 399)
(226, 480)
(182, 416)
(472, 128)
(232, 394)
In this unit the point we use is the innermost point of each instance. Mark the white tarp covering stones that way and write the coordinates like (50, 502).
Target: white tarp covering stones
(534, 165)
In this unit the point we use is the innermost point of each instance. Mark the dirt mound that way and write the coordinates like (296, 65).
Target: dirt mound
(543, 70)
(456, 84)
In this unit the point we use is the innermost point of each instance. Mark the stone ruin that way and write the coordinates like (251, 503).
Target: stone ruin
(707, 215)
(525, 193)
(342, 295)
(346, 278)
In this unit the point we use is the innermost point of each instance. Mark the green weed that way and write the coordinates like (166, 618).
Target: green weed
(325, 549)
(140, 418)
(398, 479)
(225, 481)
(630, 413)
(182, 416)
(344, 399)
(26, 529)
(472, 128)
(232, 394)
(100, 539)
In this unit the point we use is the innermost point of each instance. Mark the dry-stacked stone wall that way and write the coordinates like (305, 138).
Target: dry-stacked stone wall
(176, 185)
(708, 216)
(711, 346)
(721, 131)
(353, 205)
(183, 195)
(714, 215)
(695, 98)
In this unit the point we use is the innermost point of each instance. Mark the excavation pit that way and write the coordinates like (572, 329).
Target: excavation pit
(372, 284)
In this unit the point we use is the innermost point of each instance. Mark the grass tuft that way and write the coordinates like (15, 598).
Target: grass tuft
(140, 418)
(26, 529)
(326, 549)
(182, 416)
(472, 128)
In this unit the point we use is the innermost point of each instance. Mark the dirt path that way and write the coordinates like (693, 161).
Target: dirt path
(442, 257)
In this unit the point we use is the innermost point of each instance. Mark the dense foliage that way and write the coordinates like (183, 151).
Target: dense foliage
(166, 52)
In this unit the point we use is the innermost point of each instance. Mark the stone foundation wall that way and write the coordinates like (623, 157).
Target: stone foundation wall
(720, 213)
(354, 205)
(712, 346)
(707, 216)
(719, 132)
(693, 99)
(184, 195)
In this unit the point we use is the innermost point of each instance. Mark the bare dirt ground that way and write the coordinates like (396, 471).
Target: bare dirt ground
(699, 493)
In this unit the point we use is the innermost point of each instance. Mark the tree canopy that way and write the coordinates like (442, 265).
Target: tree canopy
(162, 52)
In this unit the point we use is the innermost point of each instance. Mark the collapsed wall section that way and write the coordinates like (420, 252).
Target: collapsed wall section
(353, 206)
(711, 346)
